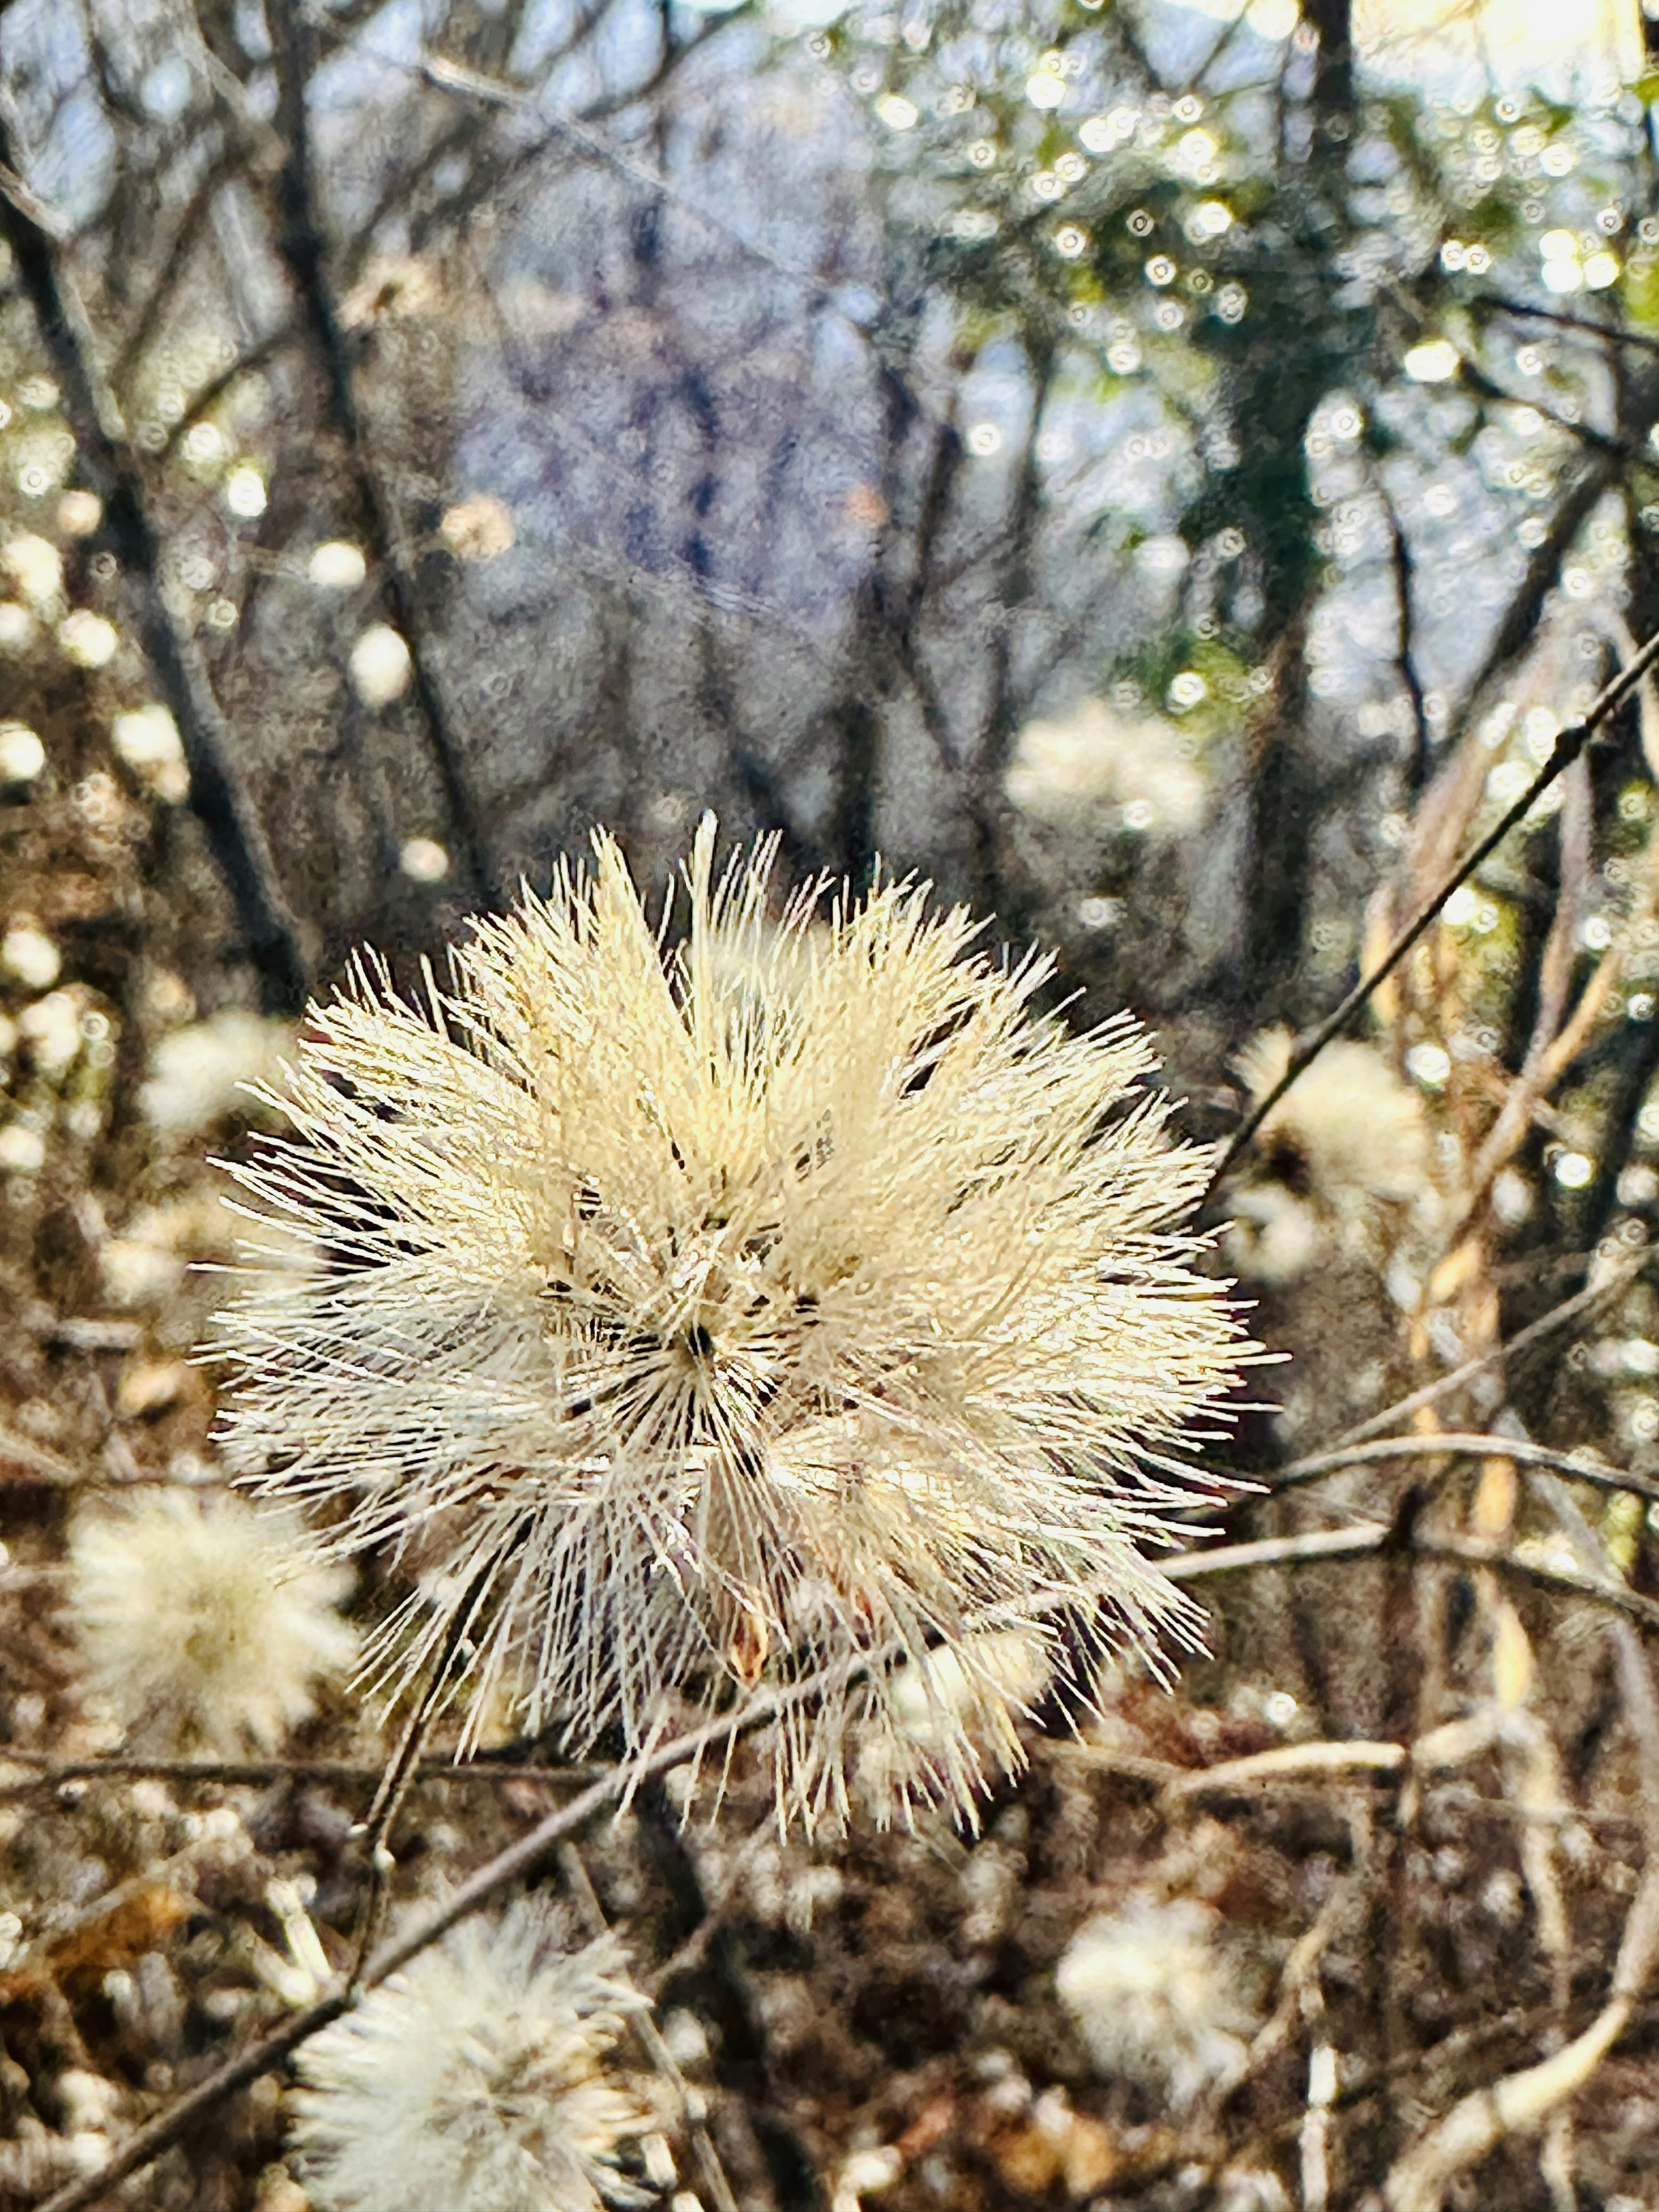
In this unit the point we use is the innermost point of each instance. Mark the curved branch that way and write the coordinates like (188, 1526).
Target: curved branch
(1461, 1445)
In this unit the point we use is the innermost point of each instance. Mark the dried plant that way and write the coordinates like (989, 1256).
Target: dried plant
(1351, 1129)
(950, 1720)
(1344, 1161)
(1154, 1998)
(205, 1625)
(704, 1314)
(476, 2080)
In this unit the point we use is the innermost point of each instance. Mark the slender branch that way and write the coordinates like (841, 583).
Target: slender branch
(217, 797)
(1461, 1445)
(1405, 656)
(652, 2041)
(452, 76)
(186, 236)
(405, 1762)
(1465, 1551)
(1290, 1760)
(253, 356)
(17, 1451)
(1569, 745)
(1570, 1309)
(1001, 716)
(300, 240)
(54, 1773)
(1522, 313)
(1484, 387)
(1321, 1546)
(1309, 1549)
(1596, 474)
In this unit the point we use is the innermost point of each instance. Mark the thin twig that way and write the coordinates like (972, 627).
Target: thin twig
(1569, 745)
(1321, 1546)
(54, 1773)
(1559, 1316)
(573, 1868)
(243, 364)
(1291, 1762)
(1191, 1780)
(401, 1768)
(1405, 657)
(1465, 1551)
(24, 1452)
(445, 74)
(1522, 313)
(186, 237)
(1459, 1445)
(301, 243)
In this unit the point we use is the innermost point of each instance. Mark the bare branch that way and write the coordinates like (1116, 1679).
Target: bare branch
(1290, 1761)
(260, 1772)
(651, 2039)
(1521, 311)
(1322, 1547)
(244, 364)
(1405, 657)
(217, 797)
(1571, 1309)
(301, 243)
(1461, 1445)
(186, 236)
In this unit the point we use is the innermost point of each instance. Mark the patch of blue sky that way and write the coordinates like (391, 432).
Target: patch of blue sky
(375, 61)
(74, 169)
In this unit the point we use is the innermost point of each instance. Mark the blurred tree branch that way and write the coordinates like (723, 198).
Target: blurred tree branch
(217, 794)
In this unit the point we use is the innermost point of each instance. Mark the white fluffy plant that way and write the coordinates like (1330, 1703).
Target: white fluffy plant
(475, 2080)
(206, 1626)
(1156, 1997)
(705, 1310)
(1345, 1158)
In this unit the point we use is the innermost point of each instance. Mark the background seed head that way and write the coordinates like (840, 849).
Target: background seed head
(205, 1623)
(1156, 1998)
(476, 2080)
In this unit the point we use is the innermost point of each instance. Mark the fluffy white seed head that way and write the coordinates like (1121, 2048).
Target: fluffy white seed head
(707, 1315)
(1344, 1160)
(1352, 1124)
(475, 2079)
(205, 1623)
(199, 1075)
(1155, 1999)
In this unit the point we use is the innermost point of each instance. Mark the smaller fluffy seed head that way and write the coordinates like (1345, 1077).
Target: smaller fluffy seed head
(206, 1624)
(1349, 1128)
(475, 2079)
(1155, 1999)
(707, 1314)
